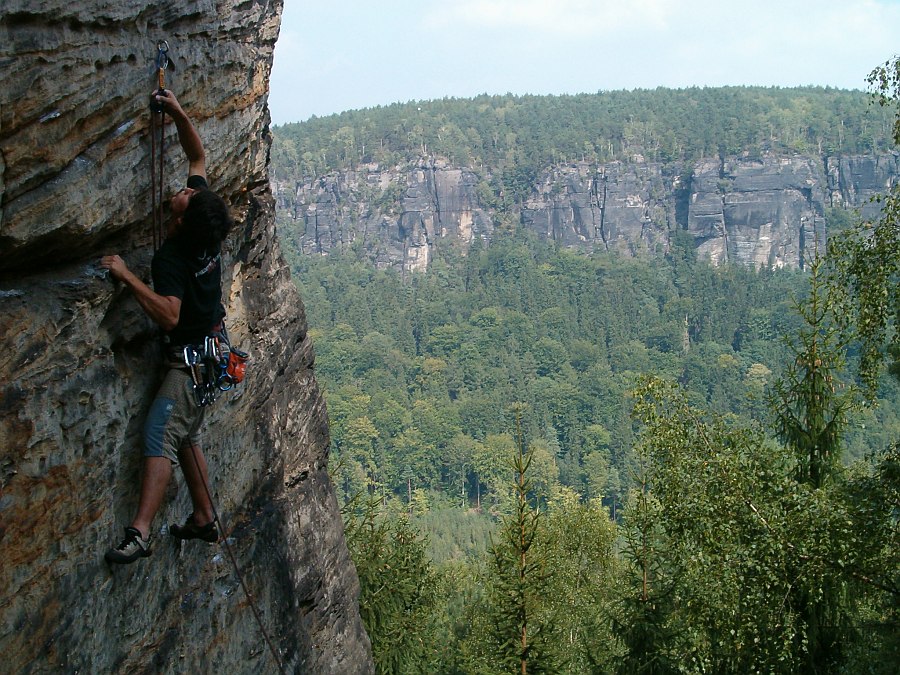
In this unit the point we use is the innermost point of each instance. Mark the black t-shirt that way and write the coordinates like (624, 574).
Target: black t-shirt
(195, 279)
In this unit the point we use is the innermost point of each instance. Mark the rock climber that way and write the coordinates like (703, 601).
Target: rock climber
(186, 302)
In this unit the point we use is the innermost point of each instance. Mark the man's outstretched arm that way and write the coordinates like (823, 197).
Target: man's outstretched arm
(187, 134)
(163, 309)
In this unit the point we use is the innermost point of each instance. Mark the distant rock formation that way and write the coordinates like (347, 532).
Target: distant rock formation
(79, 361)
(764, 211)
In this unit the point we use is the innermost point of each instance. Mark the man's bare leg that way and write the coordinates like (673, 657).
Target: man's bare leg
(193, 465)
(157, 471)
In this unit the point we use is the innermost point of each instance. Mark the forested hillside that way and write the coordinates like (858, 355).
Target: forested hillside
(588, 462)
(517, 135)
(420, 374)
(435, 383)
(749, 173)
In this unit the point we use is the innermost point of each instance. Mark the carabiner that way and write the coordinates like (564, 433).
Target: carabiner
(162, 54)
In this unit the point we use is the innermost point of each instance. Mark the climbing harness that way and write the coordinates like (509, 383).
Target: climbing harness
(157, 138)
(214, 366)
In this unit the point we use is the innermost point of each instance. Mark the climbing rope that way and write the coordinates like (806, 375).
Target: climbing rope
(223, 539)
(157, 138)
(157, 187)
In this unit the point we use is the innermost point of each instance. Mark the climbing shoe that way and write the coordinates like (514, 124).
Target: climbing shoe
(190, 530)
(133, 546)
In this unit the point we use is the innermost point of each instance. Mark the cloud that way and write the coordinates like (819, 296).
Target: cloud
(335, 56)
(572, 18)
(865, 24)
(868, 20)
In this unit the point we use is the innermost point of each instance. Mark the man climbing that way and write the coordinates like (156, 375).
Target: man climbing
(186, 302)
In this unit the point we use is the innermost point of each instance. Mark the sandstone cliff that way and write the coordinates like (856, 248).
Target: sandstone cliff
(764, 211)
(78, 361)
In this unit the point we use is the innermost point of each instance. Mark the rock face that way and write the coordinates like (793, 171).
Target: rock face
(397, 215)
(766, 211)
(79, 362)
(762, 213)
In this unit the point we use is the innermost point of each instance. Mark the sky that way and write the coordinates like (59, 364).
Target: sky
(350, 54)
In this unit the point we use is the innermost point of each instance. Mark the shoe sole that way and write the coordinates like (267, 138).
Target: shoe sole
(186, 534)
(111, 557)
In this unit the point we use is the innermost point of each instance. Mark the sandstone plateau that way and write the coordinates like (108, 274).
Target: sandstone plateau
(79, 361)
(766, 211)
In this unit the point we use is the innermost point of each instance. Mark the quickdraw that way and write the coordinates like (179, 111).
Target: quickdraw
(157, 157)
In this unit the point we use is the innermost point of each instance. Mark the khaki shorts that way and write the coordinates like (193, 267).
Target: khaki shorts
(174, 419)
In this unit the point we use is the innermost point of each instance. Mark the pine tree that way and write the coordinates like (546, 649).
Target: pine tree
(644, 622)
(398, 587)
(810, 404)
(811, 407)
(518, 578)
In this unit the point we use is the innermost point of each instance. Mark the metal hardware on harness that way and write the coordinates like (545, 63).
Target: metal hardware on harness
(204, 394)
(217, 353)
(193, 365)
(211, 368)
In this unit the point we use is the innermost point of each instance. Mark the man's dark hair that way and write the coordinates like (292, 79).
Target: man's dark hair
(205, 223)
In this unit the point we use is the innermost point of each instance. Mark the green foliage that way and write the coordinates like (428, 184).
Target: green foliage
(811, 403)
(885, 83)
(509, 137)
(456, 623)
(742, 550)
(455, 535)
(418, 372)
(751, 555)
(579, 542)
(644, 619)
(746, 544)
(549, 583)
(519, 628)
(398, 588)
(867, 266)
(867, 259)
(873, 489)
(812, 408)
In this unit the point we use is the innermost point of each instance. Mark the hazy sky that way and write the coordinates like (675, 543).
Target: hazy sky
(346, 54)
